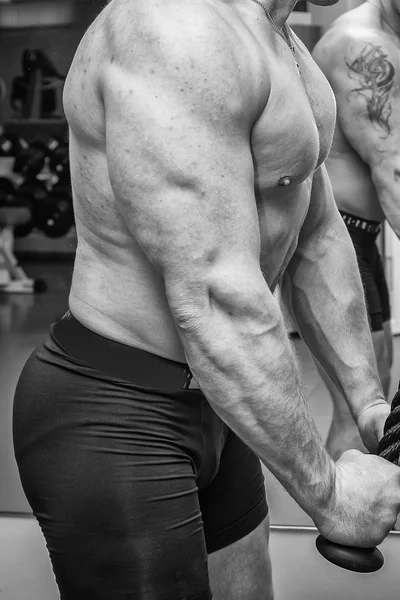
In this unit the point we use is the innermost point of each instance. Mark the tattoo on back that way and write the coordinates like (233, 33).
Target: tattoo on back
(375, 74)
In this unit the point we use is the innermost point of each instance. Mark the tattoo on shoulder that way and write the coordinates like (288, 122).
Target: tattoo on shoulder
(375, 74)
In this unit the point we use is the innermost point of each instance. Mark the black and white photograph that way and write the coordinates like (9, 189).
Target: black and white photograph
(199, 299)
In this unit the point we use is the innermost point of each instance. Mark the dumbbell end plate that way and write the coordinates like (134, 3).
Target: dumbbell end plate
(360, 560)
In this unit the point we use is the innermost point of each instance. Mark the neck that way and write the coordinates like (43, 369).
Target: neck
(279, 10)
(390, 14)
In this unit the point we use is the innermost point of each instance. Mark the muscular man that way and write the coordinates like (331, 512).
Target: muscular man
(360, 56)
(198, 132)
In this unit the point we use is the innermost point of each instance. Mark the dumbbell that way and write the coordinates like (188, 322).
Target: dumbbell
(32, 158)
(7, 191)
(52, 211)
(11, 145)
(59, 159)
(31, 194)
(6, 146)
(54, 215)
(367, 560)
(30, 161)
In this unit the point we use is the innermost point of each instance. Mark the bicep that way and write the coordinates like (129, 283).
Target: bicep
(322, 210)
(181, 170)
(324, 240)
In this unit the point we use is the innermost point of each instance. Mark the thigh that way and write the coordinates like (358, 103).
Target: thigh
(387, 328)
(381, 284)
(234, 503)
(366, 264)
(383, 290)
(382, 336)
(116, 500)
(242, 571)
(235, 517)
(380, 347)
(382, 358)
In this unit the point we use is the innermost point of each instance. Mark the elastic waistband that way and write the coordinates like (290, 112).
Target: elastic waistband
(365, 225)
(122, 361)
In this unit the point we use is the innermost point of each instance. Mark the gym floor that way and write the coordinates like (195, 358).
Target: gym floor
(24, 568)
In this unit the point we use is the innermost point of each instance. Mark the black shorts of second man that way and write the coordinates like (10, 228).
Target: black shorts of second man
(363, 234)
(133, 478)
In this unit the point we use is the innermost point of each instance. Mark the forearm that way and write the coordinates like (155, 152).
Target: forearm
(242, 358)
(329, 307)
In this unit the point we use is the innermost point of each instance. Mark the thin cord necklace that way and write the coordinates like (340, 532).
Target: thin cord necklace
(282, 32)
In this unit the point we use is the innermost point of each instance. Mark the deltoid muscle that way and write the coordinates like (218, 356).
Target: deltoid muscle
(375, 74)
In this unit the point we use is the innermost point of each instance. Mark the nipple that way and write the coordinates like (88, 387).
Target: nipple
(284, 181)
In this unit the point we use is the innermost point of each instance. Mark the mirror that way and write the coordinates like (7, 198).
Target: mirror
(38, 40)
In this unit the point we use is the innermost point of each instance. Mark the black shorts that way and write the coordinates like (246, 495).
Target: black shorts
(364, 233)
(133, 478)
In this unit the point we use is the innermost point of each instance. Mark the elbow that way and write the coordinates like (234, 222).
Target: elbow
(188, 300)
(194, 301)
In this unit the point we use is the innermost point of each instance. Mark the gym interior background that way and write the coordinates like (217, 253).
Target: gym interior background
(37, 43)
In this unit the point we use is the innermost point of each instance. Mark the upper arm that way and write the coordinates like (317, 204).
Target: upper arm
(178, 130)
(322, 211)
(323, 232)
(366, 80)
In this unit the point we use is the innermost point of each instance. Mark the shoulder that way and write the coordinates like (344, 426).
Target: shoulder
(171, 34)
(189, 51)
(370, 45)
(358, 48)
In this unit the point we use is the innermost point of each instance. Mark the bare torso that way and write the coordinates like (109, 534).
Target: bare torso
(116, 291)
(350, 176)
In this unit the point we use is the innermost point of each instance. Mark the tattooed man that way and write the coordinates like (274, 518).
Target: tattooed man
(360, 56)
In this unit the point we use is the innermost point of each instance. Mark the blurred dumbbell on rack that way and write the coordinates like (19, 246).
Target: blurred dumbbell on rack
(41, 169)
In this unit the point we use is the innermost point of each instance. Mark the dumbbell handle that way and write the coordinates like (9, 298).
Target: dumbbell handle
(367, 560)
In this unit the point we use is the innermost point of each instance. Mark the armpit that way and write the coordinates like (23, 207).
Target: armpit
(373, 74)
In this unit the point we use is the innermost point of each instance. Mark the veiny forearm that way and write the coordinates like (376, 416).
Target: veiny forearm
(240, 354)
(329, 306)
